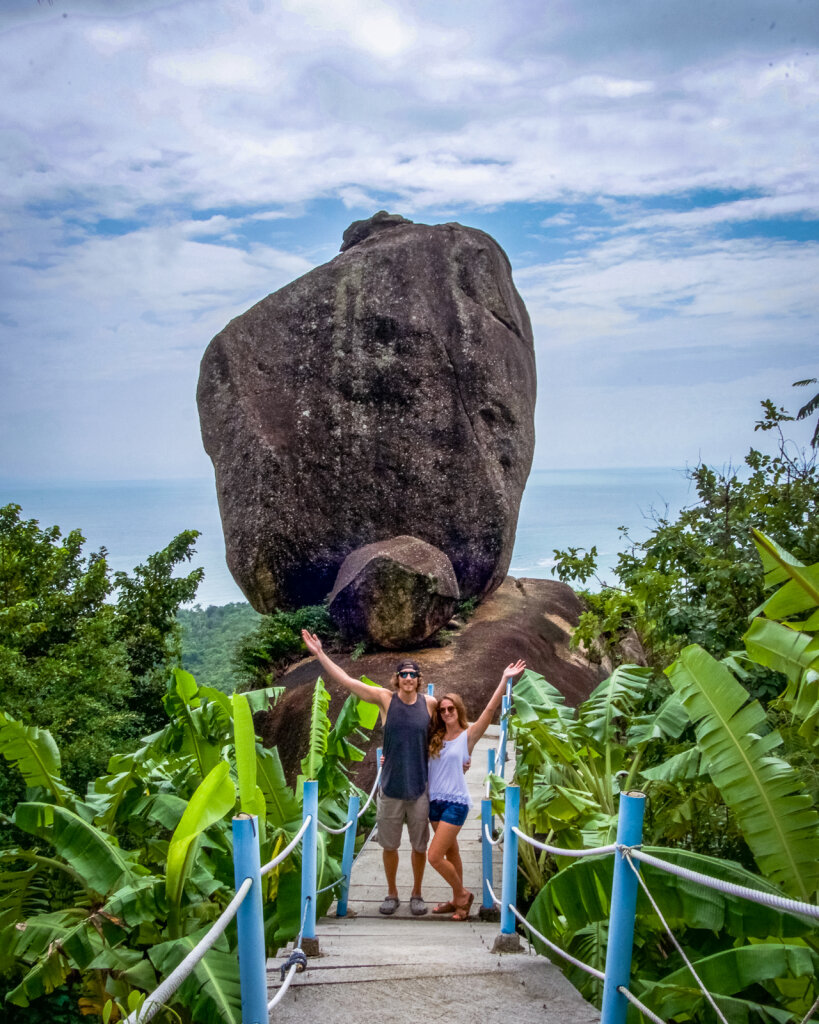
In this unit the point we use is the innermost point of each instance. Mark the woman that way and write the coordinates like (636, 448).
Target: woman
(452, 741)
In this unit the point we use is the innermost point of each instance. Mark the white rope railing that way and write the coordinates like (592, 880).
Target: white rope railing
(673, 938)
(372, 792)
(336, 831)
(640, 1006)
(810, 1012)
(559, 851)
(489, 839)
(294, 842)
(495, 899)
(162, 993)
(372, 832)
(341, 831)
(296, 963)
(561, 952)
(766, 899)
(332, 885)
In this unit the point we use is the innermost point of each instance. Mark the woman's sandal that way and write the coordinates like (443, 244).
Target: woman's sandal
(462, 913)
(444, 908)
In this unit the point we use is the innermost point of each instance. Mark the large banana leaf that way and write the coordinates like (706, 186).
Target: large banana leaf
(42, 944)
(776, 815)
(728, 973)
(580, 894)
(244, 737)
(319, 731)
(799, 593)
(537, 693)
(94, 856)
(282, 806)
(681, 767)
(668, 722)
(213, 798)
(34, 754)
(613, 699)
(212, 993)
(775, 646)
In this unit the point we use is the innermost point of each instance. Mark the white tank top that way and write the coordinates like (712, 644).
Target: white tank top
(446, 772)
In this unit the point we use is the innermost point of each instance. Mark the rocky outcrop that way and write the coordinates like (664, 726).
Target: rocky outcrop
(526, 618)
(394, 592)
(388, 392)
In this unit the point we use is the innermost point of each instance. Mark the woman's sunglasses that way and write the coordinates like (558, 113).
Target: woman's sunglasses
(408, 675)
(445, 710)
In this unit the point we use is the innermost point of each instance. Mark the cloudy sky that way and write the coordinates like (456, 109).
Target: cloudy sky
(650, 166)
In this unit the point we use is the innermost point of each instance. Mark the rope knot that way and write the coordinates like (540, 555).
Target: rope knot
(297, 958)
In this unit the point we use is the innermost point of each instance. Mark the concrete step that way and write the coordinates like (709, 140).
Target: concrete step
(397, 972)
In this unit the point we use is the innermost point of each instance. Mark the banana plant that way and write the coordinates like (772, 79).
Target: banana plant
(572, 909)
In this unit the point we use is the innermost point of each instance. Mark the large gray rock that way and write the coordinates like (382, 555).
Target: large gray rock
(394, 592)
(390, 391)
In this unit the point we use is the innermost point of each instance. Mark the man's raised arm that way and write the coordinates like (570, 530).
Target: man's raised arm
(372, 694)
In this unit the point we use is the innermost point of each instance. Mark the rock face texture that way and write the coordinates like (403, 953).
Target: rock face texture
(395, 592)
(389, 392)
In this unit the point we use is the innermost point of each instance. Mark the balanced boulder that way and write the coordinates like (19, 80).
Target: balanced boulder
(395, 592)
(388, 392)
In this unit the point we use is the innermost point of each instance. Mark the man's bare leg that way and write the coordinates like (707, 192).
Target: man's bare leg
(391, 870)
(419, 862)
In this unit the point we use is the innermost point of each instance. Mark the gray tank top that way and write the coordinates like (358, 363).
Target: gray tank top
(406, 749)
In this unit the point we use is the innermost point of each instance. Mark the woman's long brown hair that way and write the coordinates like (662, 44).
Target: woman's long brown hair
(437, 730)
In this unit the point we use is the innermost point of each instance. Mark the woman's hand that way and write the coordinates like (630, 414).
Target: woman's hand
(311, 642)
(512, 670)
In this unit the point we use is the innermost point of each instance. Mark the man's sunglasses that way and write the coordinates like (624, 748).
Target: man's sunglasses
(408, 675)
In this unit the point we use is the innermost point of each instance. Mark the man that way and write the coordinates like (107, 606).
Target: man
(405, 715)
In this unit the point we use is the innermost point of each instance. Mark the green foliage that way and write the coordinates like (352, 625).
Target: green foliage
(147, 606)
(698, 578)
(116, 888)
(708, 748)
(276, 642)
(88, 670)
(210, 637)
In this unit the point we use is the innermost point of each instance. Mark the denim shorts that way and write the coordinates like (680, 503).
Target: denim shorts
(444, 810)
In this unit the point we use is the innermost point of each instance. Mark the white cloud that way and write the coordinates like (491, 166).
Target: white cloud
(212, 69)
(199, 124)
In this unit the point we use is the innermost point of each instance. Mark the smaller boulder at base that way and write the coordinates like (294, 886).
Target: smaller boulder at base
(394, 592)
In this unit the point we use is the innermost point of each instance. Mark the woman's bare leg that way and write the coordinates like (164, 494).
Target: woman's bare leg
(438, 857)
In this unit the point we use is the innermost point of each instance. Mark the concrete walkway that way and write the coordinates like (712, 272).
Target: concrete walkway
(403, 970)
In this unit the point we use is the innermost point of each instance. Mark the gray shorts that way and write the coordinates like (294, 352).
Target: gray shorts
(392, 813)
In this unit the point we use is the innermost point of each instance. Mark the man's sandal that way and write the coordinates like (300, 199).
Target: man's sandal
(462, 913)
(390, 905)
(444, 908)
(417, 906)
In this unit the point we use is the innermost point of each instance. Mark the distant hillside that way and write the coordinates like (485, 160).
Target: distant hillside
(209, 639)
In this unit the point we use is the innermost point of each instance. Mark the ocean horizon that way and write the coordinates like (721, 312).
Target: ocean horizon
(560, 508)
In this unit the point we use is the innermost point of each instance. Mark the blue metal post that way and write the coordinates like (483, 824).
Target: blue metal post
(486, 853)
(504, 729)
(308, 858)
(347, 856)
(510, 860)
(623, 905)
(430, 690)
(249, 921)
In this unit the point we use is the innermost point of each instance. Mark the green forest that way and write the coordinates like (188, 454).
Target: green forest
(128, 743)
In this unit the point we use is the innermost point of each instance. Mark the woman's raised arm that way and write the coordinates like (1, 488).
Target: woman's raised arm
(481, 724)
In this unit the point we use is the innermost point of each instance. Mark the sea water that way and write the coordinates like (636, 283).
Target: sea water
(560, 508)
